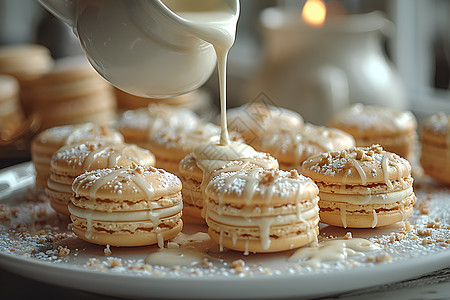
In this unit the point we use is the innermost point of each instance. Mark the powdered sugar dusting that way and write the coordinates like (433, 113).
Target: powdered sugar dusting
(367, 116)
(29, 228)
(437, 123)
(283, 184)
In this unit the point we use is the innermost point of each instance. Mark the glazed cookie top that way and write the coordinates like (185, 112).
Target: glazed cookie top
(262, 186)
(358, 165)
(254, 119)
(180, 143)
(145, 122)
(131, 183)
(363, 120)
(71, 134)
(192, 167)
(293, 147)
(78, 158)
(435, 129)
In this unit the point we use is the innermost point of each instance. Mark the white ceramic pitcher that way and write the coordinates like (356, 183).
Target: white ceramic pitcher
(142, 46)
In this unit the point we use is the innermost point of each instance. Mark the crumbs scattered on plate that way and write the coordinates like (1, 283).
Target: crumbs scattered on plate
(30, 228)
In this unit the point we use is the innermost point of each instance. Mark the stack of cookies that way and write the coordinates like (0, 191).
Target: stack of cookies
(363, 187)
(46, 143)
(11, 114)
(197, 101)
(255, 120)
(126, 206)
(70, 161)
(168, 132)
(435, 154)
(262, 210)
(70, 93)
(393, 129)
(206, 162)
(25, 63)
(292, 147)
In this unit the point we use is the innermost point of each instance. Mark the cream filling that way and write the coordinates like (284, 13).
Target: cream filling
(58, 187)
(264, 223)
(121, 216)
(387, 198)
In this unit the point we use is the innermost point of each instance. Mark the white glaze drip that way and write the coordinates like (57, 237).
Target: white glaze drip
(343, 208)
(385, 168)
(246, 248)
(361, 172)
(332, 250)
(251, 182)
(185, 256)
(375, 219)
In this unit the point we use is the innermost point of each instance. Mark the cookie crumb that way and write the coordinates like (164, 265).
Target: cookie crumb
(427, 241)
(63, 251)
(238, 266)
(424, 208)
(115, 262)
(433, 225)
(424, 232)
(407, 226)
(207, 263)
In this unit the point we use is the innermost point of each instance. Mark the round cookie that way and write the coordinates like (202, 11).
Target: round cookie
(207, 161)
(49, 141)
(70, 161)
(291, 148)
(25, 61)
(11, 115)
(140, 126)
(393, 129)
(435, 152)
(262, 210)
(70, 93)
(170, 133)
(126, 206)
(254, 120)
(196, 100)
(363, 187)
(171, 147)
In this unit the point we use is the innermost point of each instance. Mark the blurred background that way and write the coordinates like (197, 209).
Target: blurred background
(314, 60)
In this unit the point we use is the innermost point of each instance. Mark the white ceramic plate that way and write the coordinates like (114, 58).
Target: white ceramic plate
(276, 278)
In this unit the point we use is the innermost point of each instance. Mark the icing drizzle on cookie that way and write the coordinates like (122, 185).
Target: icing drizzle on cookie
(267, 184)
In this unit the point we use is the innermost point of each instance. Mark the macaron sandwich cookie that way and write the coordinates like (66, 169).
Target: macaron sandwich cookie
(256, 119)
(195, 172)
(46, 143)
(435, 141)
(261, 210)
(363, 187)
(393, 129)
(292, 147)
(73, 160)
(126, 206)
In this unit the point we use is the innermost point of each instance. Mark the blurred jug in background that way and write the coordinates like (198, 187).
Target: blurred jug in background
(318, 70)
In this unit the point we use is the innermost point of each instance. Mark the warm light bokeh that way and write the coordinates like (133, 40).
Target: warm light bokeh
(314, 12)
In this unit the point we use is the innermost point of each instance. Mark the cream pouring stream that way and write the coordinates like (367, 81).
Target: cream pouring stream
(214, 23)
